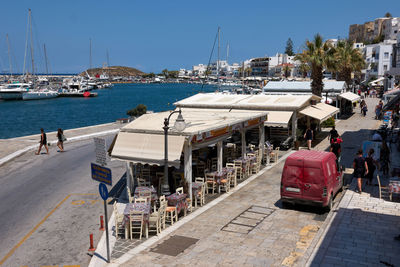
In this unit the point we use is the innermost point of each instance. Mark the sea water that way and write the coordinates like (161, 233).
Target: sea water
(20, 118)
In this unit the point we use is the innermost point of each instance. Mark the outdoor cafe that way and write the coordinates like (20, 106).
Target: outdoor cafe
(172, 169)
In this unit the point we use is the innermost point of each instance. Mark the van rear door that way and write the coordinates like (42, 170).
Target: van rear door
(313, 183)
(292, 178)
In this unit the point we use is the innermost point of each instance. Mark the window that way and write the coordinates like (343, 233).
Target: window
(385, 67)
(386, 55)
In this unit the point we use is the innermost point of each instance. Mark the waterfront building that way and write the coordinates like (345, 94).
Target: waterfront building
(259, 66)
(391, 28)
(378, 58)
(199, 70)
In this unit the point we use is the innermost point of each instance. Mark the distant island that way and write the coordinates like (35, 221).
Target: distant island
(113, 71)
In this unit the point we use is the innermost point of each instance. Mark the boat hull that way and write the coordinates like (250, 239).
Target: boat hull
(10, 95)
(39, 95)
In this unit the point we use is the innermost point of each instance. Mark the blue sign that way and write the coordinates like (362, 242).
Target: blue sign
(103, 191)
(101, 174)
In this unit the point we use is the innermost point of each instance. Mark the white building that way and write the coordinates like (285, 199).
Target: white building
(360, 46)
(378, 58)
(199, 70)
(390, 28)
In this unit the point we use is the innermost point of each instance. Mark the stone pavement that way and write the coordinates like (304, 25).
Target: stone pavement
(13, 147)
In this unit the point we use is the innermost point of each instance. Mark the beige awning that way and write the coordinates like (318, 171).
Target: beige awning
(148, 148)
(278, 119)
(350, 96)
(320, 111)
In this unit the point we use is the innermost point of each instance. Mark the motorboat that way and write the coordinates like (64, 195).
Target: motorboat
(39, 94)
(14, 91)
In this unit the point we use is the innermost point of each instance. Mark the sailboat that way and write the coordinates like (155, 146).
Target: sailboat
(37, 93)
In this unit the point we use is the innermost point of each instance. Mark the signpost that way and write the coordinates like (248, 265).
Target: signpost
(101, 174)
(104, 195)
(101, 151)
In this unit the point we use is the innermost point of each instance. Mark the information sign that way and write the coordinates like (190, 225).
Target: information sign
(100, 150)
(101, 174)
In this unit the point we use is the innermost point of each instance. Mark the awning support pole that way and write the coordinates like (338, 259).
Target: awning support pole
(261, 138)
(128, 178)
(243, 135)
(187, 154)
(294, 126)
(219, 155)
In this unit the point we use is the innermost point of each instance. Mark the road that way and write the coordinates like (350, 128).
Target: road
(49, 205)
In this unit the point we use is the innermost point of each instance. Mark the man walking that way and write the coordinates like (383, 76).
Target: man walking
(43, 142)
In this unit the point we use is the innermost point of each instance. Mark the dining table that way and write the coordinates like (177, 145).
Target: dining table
(153, 191)
(178, 201)
(196, 187)
(131, 207)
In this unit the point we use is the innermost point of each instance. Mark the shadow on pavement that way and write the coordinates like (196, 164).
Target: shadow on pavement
(360, 238)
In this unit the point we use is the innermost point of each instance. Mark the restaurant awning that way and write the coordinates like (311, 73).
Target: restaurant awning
(278, 119)
(148, 148)
(320, 111)
(350, 96)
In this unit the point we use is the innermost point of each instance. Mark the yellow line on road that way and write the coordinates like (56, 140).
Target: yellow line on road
(32, 231)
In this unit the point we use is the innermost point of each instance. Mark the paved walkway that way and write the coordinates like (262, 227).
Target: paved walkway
(14, 147)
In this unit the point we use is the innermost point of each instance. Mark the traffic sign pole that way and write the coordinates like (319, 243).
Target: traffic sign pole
(104, 195)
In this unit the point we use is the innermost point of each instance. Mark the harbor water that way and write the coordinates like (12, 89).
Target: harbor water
(21, 118)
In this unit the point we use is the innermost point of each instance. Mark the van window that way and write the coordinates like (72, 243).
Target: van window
(313, 176)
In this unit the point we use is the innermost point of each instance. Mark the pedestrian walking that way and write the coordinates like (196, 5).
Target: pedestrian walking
(362, 104)
(336, 149)
(309, 137)
(61, 138)
(360, 169)
(333, 134)
(43, 142)
(364, 110)
(371, 163)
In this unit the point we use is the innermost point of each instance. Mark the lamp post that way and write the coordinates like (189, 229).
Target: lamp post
(179, 125)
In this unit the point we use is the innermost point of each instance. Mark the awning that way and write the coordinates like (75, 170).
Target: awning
(278, 119)
(350, 96)
(148, 148)
(320, 111)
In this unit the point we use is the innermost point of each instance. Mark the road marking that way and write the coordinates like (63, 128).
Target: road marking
(32, 231)
(307, 234)
(77, 202)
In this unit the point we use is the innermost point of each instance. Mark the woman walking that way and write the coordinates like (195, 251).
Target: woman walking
(360, 168)
(61, 138)
(43, 142)
(309, 137)
(371, 163)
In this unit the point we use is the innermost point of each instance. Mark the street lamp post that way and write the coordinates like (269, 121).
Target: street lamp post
(179, 125)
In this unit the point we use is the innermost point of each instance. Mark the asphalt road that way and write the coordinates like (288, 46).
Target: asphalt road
(49, 205)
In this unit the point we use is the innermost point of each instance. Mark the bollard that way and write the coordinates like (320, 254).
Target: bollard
(101, 223)
(91, 248)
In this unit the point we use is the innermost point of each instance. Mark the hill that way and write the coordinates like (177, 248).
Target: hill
(114, 71)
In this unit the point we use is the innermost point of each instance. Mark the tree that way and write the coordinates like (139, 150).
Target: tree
(348, 60)
(317, 54)
(304, 68)
(138, 111)
(286, 70)
(289, 47)
(165, 73)
(388, 15)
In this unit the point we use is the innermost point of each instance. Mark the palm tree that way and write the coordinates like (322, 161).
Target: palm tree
(348, 60)
(303, 69)
(317, 54)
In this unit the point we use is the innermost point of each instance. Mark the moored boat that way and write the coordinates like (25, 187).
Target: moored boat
(39, 94)
(13, 91)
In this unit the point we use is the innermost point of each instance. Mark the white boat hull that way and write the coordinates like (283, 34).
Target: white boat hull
(38, 95)
(11, 95)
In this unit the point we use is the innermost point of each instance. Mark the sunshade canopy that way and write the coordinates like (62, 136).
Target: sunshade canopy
(278, 119)
(350, 96)
(148, 148)
(320, 111)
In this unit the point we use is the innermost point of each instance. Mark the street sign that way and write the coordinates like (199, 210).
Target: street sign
(100, 150)
(101, 174)
(103, 191)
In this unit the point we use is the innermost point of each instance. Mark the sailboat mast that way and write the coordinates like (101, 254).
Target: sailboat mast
(90, 53)
(218, 57)
(45, 58)
(26, 46)
(30, 28)
(9, 54)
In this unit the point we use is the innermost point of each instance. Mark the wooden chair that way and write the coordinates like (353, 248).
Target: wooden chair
(225, 184)
(160, 179)
(383, 190)
(179, 191)
(163, 203)
(233, 176)
(136, 223)
(199, 197)
(200, 168)
(130, 197)
(145, 194)
(189, 205)
(119, 222)
(177, 176)
(275, 154)
(214, 164)
(140, 200)
(155, 221)
(211, 183)
(171, 214)
(239, 169)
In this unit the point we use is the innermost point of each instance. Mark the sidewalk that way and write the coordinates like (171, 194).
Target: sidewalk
(360, 231)
(14, 147)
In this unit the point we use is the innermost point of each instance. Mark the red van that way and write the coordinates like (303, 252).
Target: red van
(311, 177)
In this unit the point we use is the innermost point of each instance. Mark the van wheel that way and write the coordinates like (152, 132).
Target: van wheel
(330, 203)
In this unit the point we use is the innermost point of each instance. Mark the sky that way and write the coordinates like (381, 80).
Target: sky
(154, 35)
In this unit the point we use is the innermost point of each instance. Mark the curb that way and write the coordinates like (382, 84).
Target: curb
(98, 258)
(75, 138)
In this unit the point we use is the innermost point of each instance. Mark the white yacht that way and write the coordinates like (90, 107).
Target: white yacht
(14, 91)
(39, 94)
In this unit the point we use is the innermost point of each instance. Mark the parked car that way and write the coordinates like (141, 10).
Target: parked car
(311, 177)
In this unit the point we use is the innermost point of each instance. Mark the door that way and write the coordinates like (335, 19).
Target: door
(313, 182)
